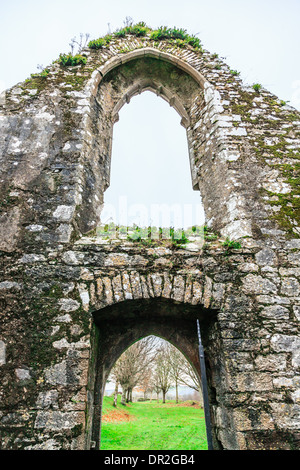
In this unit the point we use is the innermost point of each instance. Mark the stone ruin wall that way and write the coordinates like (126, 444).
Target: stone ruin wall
(55, 157)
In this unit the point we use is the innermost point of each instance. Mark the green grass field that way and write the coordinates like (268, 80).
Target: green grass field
(152, 426)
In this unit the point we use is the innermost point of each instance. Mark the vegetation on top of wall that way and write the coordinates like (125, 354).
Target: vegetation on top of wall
(176, 237)
(257, 87)
(139, 29)
(148, 235)
(231, 244)
(43, 74)
(100, 43)
(71, 60)
(234, 72)
(37, 81)
(163, 32)
(153, 236)
(179, 35)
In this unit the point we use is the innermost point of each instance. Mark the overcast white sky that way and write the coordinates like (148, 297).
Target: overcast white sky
(259, 38)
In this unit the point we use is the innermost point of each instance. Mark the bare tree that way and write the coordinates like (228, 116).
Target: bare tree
(162, 371)
(175, 358)
(133, 365)
(155, 365)
(155, 385)
(116, 376)
(180, 370)
(145, 382)
(189, 378)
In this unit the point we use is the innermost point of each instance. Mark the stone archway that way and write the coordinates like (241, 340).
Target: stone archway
(173, 321)
(55, 149)
(208, 132)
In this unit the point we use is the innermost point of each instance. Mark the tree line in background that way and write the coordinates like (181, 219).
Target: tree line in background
(154, 366)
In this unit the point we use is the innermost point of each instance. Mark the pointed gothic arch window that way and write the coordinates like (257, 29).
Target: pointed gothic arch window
(150, 173)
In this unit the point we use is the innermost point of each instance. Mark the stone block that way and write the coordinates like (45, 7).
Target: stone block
(58, 420)
(188, 293)
(108, 292)
(23, 374)
(135, 285)
(296, 309)
(144, 286)
(157, 283)
(252, 382)
(290, 286)
(207, 293)
(2, 353)
(266, 257)
(287, 415)
(178, 289)
(287, 343)
(253, 284)
(117, 288)
(57, 374)
(275, 312)
(64, 213)
(197, 293)
(271, 362)
(68, 305)
(126, 286)
(84, 296)
(48, 399)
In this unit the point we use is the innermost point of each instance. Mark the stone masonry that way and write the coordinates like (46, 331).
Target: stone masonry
(72, 302)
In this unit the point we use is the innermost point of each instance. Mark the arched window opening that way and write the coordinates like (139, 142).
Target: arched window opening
(153, 400)
(150, 173)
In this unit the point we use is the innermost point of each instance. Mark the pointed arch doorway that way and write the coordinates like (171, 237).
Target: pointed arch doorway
(176, 322)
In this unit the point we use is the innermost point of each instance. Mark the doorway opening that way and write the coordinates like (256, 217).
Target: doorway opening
(119, 326)
(153, 400)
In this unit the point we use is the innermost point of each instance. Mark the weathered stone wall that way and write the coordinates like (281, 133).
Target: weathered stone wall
(66, 299)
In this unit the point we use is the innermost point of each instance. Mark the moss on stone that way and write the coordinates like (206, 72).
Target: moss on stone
(38, 83)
